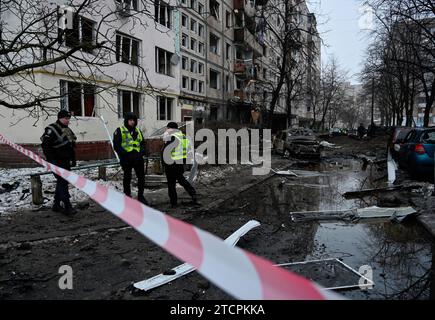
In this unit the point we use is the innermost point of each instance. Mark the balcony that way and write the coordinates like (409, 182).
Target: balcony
(246, 70)
(244, 37)
(239, 68)
(246, 6)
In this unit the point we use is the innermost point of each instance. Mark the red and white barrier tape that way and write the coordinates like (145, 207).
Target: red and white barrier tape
(238, 272)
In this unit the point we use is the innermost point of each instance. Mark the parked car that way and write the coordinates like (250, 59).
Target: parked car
(334, 132)
(396, 139)
(416, 154)
(297, 142)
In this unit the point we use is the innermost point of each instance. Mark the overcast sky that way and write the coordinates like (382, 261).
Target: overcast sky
(339, 26)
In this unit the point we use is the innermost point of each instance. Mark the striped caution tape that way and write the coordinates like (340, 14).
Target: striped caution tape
(240, 273)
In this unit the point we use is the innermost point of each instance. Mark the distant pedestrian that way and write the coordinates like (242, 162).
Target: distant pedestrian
(58, 145)
(129, 144)
(361, 131)
(177, 147)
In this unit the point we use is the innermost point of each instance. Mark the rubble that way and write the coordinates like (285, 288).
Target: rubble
(185, 268)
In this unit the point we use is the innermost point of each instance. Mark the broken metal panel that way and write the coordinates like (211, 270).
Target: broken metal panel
(349, 215)
(186, 268)
(395, 214)
(392, 167)
(398, 214)
(331, 274)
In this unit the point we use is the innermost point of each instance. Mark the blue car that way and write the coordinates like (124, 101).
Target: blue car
(416, 154)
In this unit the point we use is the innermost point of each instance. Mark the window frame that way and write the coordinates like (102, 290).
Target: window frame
(168, 65)
(119, 52)
(171, 107)
(65, 96)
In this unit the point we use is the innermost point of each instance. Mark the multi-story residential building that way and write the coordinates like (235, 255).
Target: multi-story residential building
(192, 24)
(140, 75)
(175, 61)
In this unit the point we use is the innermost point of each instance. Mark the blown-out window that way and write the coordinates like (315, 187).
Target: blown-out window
(128, 101)
(164, 108)
(78, 98)
(127, 49)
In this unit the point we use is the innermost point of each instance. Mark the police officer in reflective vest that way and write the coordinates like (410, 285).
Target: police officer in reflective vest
(129, 144)
(58, 144)
(174, 157)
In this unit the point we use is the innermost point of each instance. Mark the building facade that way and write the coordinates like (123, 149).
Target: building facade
(173, 60)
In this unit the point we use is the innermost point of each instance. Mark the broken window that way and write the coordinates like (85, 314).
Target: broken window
(200, 30)
(130, 4)
(184, 39)
(228, 51)
(214, 44)
(82, 34)
(228, 19)
(214, 79)
(127, 49)
(201, 48)
(162, 13)
(128, 101)
(193, 66)
(164, 108)
(163, 62)
(214, 9)
(185, 83)
(77, 98)
(193, 84)
(184, 62)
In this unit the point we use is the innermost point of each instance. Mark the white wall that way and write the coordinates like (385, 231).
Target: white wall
(91, 128)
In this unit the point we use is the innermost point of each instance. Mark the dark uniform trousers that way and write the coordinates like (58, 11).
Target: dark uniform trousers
(137, 164)
(61, 192)
(174, 174)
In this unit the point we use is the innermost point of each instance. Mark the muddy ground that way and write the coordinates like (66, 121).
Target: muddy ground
(107, 256)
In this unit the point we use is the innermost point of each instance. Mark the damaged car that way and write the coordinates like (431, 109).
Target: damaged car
(297, 142)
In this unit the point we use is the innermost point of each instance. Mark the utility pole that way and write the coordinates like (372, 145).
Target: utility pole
(373, 100)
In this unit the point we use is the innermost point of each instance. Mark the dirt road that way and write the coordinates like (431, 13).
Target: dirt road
(107, 256)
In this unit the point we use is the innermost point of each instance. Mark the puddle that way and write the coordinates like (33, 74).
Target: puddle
(399, 256)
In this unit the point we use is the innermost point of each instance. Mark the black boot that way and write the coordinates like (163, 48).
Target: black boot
(142, 200)
(69, 210)
(57, 207)
(195, 199)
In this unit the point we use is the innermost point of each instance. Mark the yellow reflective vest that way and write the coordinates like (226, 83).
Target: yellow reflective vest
(128, 143)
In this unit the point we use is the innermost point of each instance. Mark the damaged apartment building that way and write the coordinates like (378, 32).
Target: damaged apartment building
(230, 61)
(171, 60)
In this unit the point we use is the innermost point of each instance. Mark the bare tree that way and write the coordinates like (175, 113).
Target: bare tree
(289, 67)
(33, 42)
(409, 59)
(330, 93)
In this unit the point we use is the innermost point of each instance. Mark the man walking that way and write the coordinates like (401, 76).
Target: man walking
(174, 158)
(129, 144)
(58, 145)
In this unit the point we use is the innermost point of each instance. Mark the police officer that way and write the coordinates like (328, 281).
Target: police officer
(129, 144)
(58, 145)
(174, 157)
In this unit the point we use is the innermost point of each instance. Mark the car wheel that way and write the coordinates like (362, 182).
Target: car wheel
(411, 169)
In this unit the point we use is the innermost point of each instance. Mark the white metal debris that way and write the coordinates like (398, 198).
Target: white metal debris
(392, 167)
(326, 144)
(334, 268)
(398, 214)
(394, 214)
(185, 268)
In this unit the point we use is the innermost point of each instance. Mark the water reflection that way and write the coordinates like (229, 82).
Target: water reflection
(400, 255)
